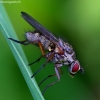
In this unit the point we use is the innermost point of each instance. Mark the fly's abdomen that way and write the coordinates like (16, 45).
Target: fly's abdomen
(45, 42)
(32, 37)
(37, 37)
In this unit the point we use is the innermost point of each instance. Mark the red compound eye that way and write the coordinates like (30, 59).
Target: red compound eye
(76, 67)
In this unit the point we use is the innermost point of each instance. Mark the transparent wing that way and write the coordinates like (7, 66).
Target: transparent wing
(38, 27)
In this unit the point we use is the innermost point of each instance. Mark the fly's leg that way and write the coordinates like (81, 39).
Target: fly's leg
(50, 76)
(58, 76)
(25, 42)
(41, 48)
(36, 60)
(43, 54)
(49, 58)
(46, 78)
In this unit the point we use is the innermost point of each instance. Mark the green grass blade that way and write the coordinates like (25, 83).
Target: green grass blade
(8, 31)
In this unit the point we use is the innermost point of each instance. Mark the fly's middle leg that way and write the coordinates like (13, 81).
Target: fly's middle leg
(37, 60)
(48, 59)
(43, 54)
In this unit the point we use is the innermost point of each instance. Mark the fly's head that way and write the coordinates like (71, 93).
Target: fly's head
(73, 63)
(31, 36)
(74, 67)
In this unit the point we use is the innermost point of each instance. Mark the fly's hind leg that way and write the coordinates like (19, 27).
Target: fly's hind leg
(24, 42)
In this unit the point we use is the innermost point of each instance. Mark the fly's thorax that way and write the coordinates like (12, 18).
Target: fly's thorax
(69, 52)
(32, 37)
(68, 48)
(70, 57)
(64, 46)
(66, 58)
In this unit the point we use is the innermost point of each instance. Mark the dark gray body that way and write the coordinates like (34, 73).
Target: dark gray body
(65, 59)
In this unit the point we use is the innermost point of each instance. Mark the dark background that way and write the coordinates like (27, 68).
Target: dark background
(78, 23)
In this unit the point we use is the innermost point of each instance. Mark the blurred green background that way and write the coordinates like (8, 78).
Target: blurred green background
(78, 22)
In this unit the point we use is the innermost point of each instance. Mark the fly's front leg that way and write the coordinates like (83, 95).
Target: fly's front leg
(24, 42)
(58, 73)
(46, 78)
(50, 76)
(58, 65)
(58, 76)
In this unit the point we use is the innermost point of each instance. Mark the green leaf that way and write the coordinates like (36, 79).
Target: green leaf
(8, 31)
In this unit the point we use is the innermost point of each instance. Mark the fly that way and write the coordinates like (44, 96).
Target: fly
(54, 49)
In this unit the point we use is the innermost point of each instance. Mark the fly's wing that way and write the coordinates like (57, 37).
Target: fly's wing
(39, 27)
